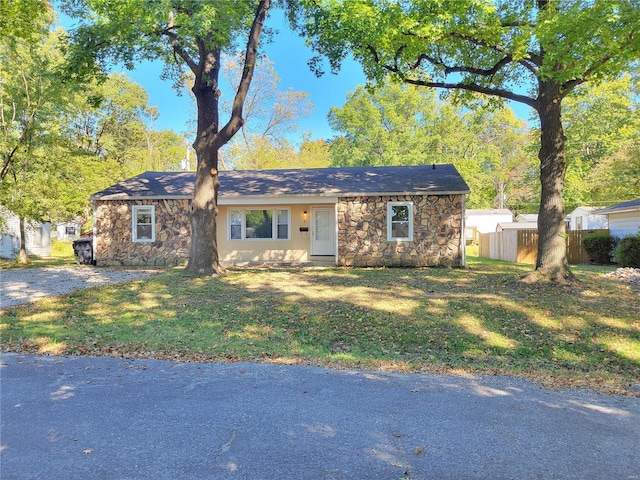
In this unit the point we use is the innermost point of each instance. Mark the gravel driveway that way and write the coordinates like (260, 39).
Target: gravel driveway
(22, 285)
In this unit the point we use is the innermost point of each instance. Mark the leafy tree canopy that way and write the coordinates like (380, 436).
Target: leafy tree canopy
(24, 20)
(490, 47)
(395, 124)
(603, 147)
(535, 53)
(184, 34)
(128, 32)
(61, 141)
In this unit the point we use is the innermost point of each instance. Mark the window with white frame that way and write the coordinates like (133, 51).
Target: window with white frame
(282, 225)
(266, 224)
(143, 223)
(235, 224)
(400, 221)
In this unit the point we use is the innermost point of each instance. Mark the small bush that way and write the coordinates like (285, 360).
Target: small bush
(599, 246)
(628, 252)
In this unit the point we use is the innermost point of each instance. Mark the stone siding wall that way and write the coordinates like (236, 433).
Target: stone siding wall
(437, 232)
(114, 245)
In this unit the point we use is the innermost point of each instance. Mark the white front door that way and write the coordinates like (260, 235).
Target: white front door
(323, 231)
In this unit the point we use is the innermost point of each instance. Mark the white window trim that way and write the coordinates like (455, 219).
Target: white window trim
(229, 224)
(134, 223)
(274, 225)
(390, 206)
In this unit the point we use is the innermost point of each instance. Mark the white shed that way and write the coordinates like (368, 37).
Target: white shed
(624, 218)
(68, 230)
(38, 236)
(585, 218)
(484, 221)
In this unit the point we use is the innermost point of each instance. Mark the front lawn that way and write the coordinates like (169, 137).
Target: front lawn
(480, 320)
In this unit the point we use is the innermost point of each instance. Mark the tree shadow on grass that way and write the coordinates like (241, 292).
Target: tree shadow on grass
(481, 320)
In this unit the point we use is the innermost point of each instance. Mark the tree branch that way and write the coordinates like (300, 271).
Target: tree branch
(568, 86)
(27, 125)
(174, 38)
(251, 54)
(532, 64)
(498, 92)
(487, 72)
(515, 23)
(200, 66)
(472, 87)
(477, 42)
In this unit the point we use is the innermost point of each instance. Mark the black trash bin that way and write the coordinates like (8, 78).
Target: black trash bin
(83, 249)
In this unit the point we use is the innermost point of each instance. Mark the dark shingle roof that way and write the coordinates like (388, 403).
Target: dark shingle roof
(330, 182)
(621, 207)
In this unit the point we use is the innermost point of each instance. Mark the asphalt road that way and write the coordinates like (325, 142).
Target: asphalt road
(102, 418)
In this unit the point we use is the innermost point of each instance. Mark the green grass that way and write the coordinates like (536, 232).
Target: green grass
(61, 255)
(472, 250)
(62, 249)
(480, 320)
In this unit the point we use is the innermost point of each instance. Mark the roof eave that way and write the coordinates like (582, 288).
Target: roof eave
(394, 194)
(227, 198)
(606, 211)
(124, 196)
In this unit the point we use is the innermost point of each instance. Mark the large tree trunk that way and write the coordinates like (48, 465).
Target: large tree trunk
(552, 263)
(22, 255)
(203, 254)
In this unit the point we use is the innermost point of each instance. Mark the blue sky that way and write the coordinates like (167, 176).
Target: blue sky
(290, 57)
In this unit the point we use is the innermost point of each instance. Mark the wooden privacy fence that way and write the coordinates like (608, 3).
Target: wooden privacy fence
(521, 246)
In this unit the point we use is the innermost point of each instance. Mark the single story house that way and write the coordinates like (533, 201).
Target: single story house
(484, 221)
(37, 236)
(357, 216)
(585, 218)
(624, 218)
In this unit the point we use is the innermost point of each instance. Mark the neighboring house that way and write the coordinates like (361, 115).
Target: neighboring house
(358, 216)
(484, 221)
(624, 218)
(517, 226)
(68, 230)
(527, 218)
(584, 218)
(37, 236)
